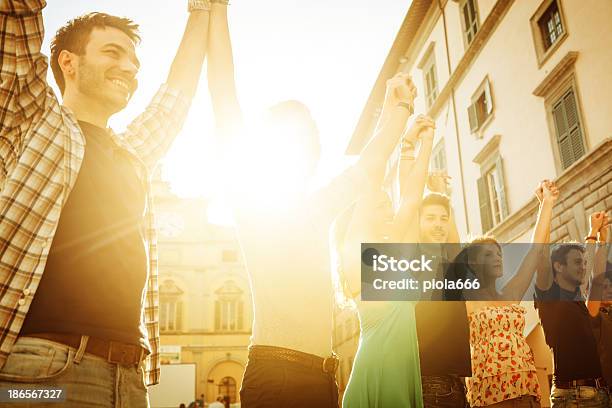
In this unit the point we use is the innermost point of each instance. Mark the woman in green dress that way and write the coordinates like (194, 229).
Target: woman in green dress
(386, 370)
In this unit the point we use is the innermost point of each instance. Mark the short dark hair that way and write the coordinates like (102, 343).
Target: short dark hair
(74, 36)
(436, 199)
(560, 251)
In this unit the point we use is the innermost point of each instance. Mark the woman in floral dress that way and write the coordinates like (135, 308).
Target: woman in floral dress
(503, 369)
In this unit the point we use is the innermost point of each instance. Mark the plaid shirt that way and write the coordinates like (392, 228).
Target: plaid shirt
(41, 151)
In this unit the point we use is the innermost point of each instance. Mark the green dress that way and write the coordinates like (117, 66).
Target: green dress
(386, 371)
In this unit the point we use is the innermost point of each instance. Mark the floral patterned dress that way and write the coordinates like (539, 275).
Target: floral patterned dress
(502, 362)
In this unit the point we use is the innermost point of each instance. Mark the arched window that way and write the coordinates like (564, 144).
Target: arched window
(170, 307)
(227, 387)
(229, 308)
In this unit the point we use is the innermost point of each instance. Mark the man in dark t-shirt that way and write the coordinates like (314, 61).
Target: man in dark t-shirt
(568, 329)
(442, 327)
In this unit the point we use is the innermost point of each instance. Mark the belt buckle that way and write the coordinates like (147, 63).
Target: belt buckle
(124, 354)
(334, 364)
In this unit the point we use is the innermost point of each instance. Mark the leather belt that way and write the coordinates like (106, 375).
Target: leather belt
(112, 351)
(327, 365)
(589, 382)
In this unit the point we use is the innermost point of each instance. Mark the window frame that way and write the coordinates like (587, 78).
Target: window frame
(485, 89)
(543, 53)
(428, 65)
(229, 308)
(439, 150)
(464, 29)
(170, 295)
(550, 101)
(493, 165)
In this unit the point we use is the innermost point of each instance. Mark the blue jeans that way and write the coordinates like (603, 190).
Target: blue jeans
(271, 384)
(579, 397)
(87, 380)
(443, 392)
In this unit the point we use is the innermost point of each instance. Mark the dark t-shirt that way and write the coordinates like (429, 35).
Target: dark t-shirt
(444, 338)
(96, 270)
(568, 328)
(603, 335)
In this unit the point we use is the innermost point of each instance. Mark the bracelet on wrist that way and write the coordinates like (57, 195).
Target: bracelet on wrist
(193, 5)
(405, 105)
(590, 238)
(406, 146)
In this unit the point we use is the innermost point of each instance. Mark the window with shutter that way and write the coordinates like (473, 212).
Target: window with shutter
(473, 118)
(485, 206)
(470, 20)
(229, 307)
(568, 129)
(170, 306)
(551, 26)
(438, 158)
(482, 106)
(492, 193)
(548, 28)
(503, 202)
(430, 79)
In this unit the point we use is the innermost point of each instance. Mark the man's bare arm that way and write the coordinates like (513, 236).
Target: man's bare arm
(600, 261)
(187, 65)
(221, 80)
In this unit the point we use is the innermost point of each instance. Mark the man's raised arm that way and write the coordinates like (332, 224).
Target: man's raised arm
(221, 81)
(23, 88)
(152, 133)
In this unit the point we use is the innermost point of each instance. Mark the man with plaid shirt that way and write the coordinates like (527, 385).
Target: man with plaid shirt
(78, 260)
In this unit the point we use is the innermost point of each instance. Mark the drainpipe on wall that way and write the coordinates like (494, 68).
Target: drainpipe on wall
(448, 64)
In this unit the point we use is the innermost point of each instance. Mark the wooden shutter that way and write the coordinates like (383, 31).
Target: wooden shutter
(503, 203)
(473, 117)
(486, 217)
(573, 125)
(488, 98)
(569, 132)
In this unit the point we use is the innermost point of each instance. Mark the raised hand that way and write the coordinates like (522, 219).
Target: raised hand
(439, 182)
(400, 90)
(539, 191)
(596, 221)
(605, 227)
(423, 126)
(549, 190)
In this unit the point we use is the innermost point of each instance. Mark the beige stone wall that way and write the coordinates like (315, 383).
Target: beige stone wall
(191, 255)
(521, 118)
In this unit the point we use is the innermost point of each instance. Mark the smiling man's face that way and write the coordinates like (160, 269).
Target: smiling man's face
(434, 223)
(106, 72)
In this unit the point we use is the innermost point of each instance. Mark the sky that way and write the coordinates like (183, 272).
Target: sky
(324, 53)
